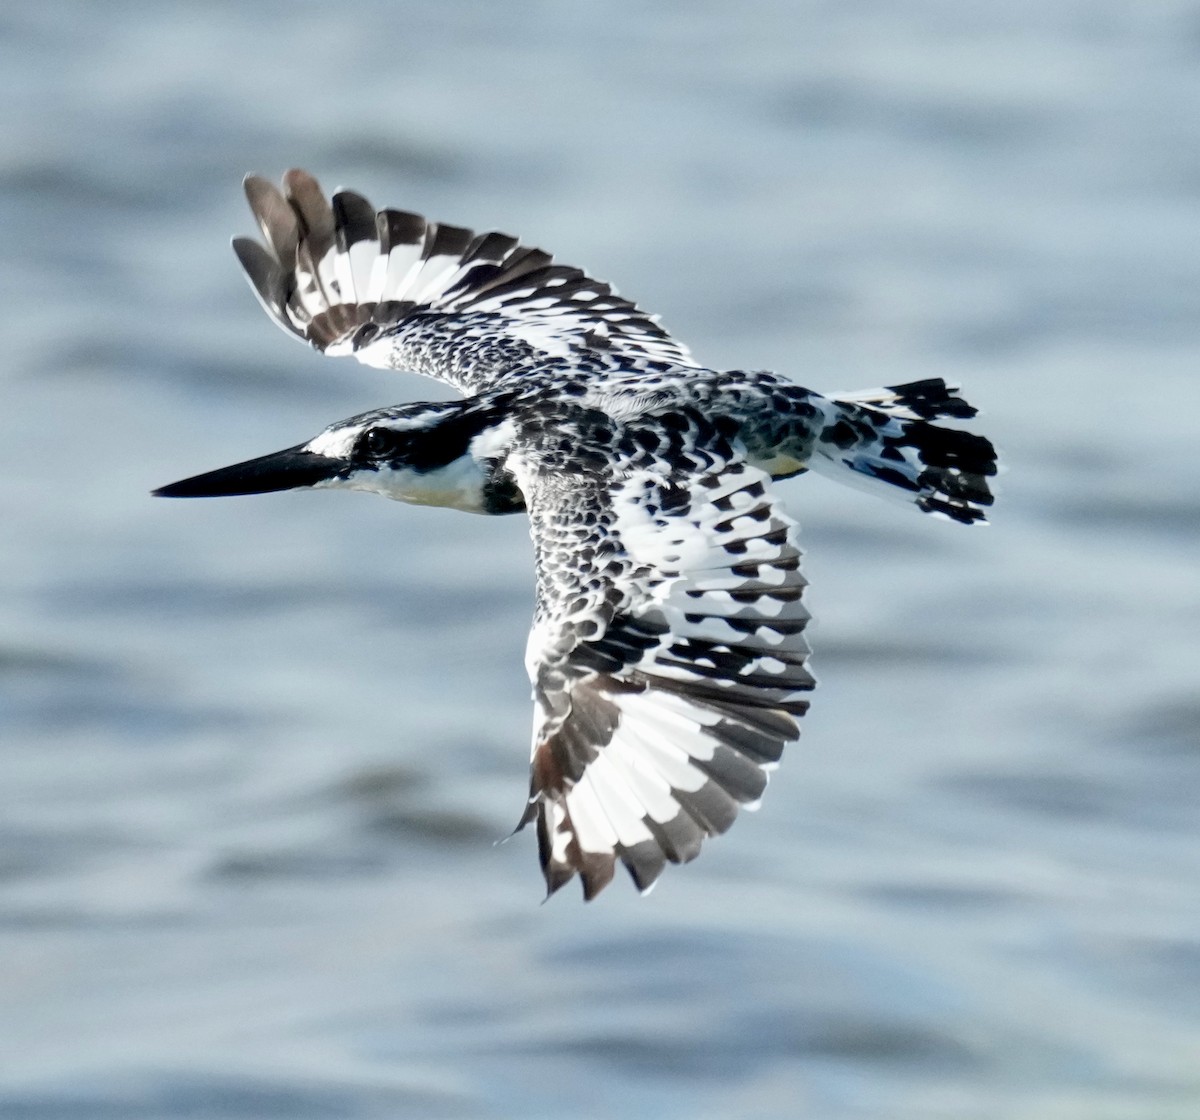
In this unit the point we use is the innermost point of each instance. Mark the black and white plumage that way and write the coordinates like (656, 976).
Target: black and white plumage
(667, 653)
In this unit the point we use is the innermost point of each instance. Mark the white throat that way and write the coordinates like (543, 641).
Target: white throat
(457, 485)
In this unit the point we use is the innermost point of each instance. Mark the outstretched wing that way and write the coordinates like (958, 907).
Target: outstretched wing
(667, 658)
(400, 292)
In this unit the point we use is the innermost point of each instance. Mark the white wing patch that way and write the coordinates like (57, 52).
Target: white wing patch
(348, 280)
(668, 667)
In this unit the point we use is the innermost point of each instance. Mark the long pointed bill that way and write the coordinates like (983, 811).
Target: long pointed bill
(284, 470)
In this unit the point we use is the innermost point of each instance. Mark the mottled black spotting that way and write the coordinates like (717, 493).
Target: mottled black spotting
(674, 497)
(698, 461)
(645, 439)
(590, 458)
(597, 341)
(576, 606)
(841, 434)
(705, 432)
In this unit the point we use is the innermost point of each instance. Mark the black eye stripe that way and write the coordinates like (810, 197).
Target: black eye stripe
(378, 443)
(429, 442)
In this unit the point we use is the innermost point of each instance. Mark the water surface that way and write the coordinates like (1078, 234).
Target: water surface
(255, 753)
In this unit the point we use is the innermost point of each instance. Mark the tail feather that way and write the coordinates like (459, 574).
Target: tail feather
(884, 438)
(929, 399)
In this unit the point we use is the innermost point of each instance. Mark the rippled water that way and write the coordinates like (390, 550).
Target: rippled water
(255, 753)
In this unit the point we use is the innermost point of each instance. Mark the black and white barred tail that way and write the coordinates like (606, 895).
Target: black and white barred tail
(887, 441)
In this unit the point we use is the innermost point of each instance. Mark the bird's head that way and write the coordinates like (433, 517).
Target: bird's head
(429, 454)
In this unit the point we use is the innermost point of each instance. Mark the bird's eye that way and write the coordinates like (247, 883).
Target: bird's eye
(377, 442)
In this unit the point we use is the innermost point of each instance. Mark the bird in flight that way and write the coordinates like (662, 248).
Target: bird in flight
(667, 652)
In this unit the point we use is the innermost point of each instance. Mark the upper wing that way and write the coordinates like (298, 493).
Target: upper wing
(667, 658)
(403, 293)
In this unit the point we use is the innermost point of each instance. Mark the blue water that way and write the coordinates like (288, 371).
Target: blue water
(254, 754)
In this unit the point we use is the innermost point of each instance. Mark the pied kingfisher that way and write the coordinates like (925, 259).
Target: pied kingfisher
(667, 653)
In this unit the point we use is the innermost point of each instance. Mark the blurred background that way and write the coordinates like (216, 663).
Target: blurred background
(254, 753)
